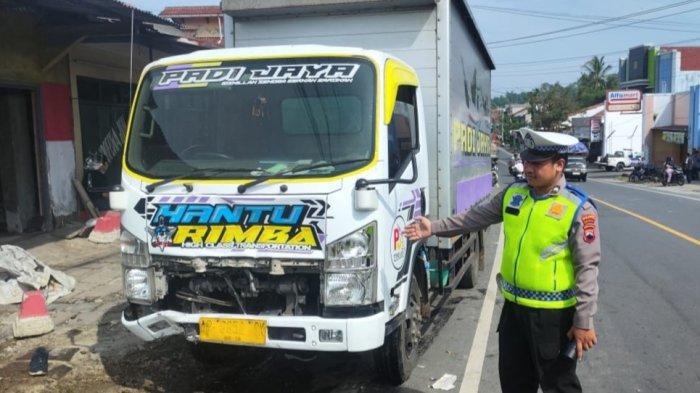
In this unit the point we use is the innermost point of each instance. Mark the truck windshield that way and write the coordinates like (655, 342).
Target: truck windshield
(268, 116)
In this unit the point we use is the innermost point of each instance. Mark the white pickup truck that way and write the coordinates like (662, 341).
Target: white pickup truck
(618, 161)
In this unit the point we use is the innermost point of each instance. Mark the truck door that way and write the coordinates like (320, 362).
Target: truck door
(405, 198)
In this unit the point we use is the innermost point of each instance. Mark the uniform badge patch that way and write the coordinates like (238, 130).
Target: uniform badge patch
(516, 201)
(556, 210)
(514, 205)
(588, 227)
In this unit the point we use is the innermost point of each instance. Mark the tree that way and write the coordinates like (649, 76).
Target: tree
(595, 70)
(510, 97)
(550, 105)
(594, 81)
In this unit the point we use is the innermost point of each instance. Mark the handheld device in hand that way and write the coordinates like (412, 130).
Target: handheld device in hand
(570, 350)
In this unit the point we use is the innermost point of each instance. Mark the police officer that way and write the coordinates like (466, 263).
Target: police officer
(549, 268)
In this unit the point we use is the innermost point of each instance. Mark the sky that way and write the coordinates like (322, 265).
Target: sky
(559, 59)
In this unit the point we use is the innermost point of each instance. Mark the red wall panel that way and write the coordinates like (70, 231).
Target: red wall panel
(58, 113)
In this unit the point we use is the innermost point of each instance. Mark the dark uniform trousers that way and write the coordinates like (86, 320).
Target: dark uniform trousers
(530, 341)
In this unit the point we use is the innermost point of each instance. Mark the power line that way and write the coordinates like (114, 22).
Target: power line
(586, 25)
(538, 73)
(585, 18)
(555, 68)
(589, 32)
(566, 59)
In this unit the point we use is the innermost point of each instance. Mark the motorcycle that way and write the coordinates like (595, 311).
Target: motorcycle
(677, 177)
(517, 171)
(494, 172)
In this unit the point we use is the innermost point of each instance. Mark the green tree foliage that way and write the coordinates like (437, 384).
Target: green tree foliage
(594, 82)
(510, 97)
(507, 123)
(550, 105)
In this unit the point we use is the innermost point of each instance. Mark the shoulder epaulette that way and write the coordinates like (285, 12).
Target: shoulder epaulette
(579, 193)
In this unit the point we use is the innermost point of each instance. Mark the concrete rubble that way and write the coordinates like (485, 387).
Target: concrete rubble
(20, 271)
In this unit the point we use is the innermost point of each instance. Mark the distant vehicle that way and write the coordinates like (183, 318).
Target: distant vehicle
(618, 161)
(517, 170)
(494, 170)
(677, 177)
(576, 168)
(642, 173)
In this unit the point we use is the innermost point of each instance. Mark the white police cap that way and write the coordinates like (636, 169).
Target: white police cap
(542, 145)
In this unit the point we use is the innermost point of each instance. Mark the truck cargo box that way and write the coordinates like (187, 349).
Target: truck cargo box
(438, 39)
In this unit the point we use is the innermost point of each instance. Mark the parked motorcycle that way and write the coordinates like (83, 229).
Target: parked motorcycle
(677, 177)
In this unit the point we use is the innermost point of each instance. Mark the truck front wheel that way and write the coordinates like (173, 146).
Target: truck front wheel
(398, 356)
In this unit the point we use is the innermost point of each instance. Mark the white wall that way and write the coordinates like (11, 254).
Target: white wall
(623, 131)
(61, 169)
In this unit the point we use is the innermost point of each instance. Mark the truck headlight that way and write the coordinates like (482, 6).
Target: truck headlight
(350, 269)
(134, 251)
(138, 285)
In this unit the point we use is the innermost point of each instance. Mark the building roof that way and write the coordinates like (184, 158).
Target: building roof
(191, 11)
(690, 56)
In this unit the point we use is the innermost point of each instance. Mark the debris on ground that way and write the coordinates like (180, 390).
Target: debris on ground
(107, 228)
(20, 272)
(39, 364)
(33, 318)
(84, 230)
(446, 382)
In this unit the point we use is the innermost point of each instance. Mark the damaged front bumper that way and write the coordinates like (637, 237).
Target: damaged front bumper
(358, 334)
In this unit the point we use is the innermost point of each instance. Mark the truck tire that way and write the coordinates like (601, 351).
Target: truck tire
(620, 166)
(583, 178)
(396, 359)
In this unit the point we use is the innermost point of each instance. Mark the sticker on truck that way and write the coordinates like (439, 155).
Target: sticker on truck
(189, 76)
(224, 223)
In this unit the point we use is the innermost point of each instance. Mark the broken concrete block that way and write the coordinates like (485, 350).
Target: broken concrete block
(33, 318)
(106, 228)
(20, 270)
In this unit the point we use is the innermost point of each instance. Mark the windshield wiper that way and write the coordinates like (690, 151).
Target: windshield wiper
(195, 172)
(299, 168)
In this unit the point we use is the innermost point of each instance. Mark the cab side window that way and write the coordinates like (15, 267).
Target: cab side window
(403, 130)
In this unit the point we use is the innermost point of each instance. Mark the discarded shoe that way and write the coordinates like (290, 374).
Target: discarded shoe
(39, 364)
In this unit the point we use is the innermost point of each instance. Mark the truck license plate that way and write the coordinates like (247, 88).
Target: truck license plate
(233, 331)
(576, 173)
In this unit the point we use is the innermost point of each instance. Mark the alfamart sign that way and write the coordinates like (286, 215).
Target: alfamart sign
(623, 101)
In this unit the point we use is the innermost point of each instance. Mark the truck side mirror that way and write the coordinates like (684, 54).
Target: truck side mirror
(117, 199)
(366, 199)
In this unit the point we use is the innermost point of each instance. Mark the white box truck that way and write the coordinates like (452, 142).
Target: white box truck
(265, 188)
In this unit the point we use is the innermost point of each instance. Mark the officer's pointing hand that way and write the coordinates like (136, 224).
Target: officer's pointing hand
(420, 228)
